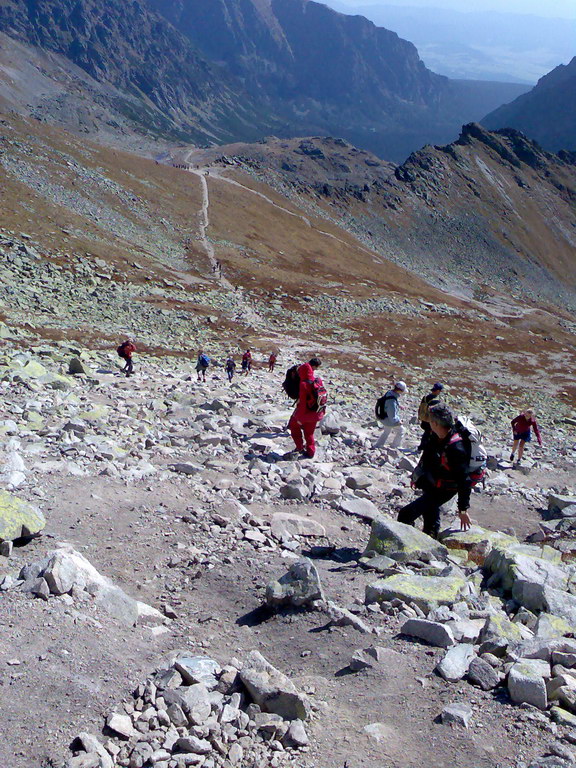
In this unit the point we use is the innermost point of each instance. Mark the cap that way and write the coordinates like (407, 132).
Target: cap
(401, 385)
(438, 387)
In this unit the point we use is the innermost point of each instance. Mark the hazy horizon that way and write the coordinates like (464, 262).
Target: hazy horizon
(560, 9)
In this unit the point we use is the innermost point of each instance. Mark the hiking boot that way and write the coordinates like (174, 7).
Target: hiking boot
(292, 456)
(511, 457)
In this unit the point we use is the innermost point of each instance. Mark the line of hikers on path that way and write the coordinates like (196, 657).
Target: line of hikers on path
(453, 459)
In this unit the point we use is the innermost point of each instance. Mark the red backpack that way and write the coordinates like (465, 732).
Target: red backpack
(317, 397)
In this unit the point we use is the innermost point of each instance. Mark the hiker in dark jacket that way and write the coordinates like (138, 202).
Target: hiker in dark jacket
(429, 400)
(125, 351)
(304, 420)
(230, 368)
(443, 474)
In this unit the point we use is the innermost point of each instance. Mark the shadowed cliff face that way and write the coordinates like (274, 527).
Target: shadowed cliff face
(547, 113)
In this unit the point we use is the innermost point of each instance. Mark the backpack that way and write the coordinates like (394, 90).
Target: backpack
(317, 397)
(204, 360)
(381, 406)
(230, 365)
(291, 384)
(121, 348)
(472, 438)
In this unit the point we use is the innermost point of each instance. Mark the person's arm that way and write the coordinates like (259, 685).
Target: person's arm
(458, 462)
(514, 422)
(392, 410)
(537, 432)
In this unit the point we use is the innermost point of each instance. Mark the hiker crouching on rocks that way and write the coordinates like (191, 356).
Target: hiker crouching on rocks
(310, 408)
(125, 351)
(388, 412)
(521, 432)
(443, 472)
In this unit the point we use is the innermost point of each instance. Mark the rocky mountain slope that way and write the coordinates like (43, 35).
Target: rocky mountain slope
(213, 72)
(547, 113)
(175, 589)
(488, 211)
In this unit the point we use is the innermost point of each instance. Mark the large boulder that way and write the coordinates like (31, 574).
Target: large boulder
(299, 587)
(498, 633)
(402, 542)
(272, 690)
(527, 682)
(560, 506)
(427, 592)
(523, 563)
(478, 542)
(18, 518)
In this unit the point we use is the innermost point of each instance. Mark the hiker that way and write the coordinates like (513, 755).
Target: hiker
(125, 351)
(522, 427)
(388, 412)
(247, 362)
(272, 362)
(429, 400)
(202, 364)
(310, 408)
(230, 367)
(448, 467)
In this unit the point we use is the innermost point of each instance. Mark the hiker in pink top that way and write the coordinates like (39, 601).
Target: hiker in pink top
(522, 427)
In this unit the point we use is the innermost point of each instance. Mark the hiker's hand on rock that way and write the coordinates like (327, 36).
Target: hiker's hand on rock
(465, 521)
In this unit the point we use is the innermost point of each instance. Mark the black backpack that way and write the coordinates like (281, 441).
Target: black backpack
(381, 406)
(291, 384)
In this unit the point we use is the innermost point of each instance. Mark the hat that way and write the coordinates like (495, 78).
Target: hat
(401, 385)
(438, 387)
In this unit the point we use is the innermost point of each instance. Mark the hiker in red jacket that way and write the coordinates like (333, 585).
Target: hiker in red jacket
(521, 431)
(309, 410)
(272, 362)
(125, 351)
(247, 362)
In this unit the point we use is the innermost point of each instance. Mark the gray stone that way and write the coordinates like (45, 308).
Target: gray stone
(458, 713)
(330, 424)
(360, 660)
(121, 725)
(40, 588)
(296, 735)
(560, 506)
(193, 744)
(75, 366)
(186, 468)
(91, 744)
(481, 673)
(497, 634)
(198, 669)
(287, 524)
(342, 617)
(456, 662)
(526, 683)
(363, 508)
(194, 700)
(294, 490)
(431, 632)
(272, 690)
(299, 587)
(403, 542)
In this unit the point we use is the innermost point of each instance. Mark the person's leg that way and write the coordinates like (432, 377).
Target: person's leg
(381, 442)
(129, 366)
(521, 444)
(431, 514)
(398, 436)
(411, 512)
(296, 432)
(514, 446)
(309, 427)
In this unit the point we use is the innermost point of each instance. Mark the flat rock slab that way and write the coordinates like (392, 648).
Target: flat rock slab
(431, 632)
(18, 518)
(403, 542)
(427, 592)
(363, 508)
(287, 524)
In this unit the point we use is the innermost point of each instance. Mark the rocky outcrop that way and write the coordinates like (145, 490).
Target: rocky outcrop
(546, 113)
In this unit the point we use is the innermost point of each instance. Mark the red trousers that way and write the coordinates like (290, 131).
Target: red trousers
(302, 426)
